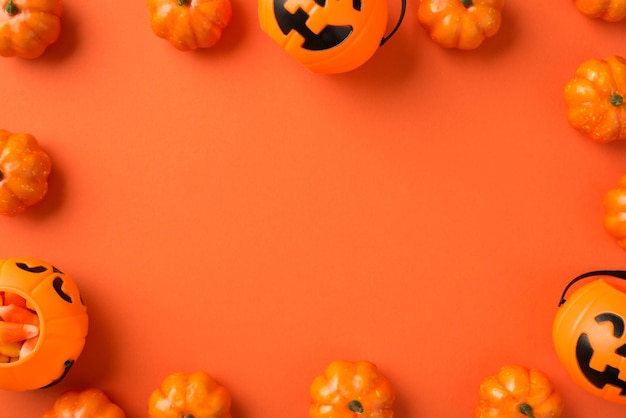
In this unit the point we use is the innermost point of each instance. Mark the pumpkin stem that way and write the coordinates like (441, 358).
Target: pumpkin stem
(526, 410)
(467, 3)
(11, 8)
(188, 416)
(617, 100)
(183, 2)
(356, 406)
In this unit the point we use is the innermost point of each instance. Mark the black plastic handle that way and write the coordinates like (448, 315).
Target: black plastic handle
(620, 274)
(402, 12)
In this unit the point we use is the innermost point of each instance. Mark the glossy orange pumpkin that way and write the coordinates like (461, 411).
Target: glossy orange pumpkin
(595, 99)
(28, 27)
(589, 334)
(62, 319)
(516, 391)
(89, 403)
(349, 389)
(615, 212)
(190, 24)
(461, 24)
(24, 170)
(326, 36)
(192, 395)
(609, 10)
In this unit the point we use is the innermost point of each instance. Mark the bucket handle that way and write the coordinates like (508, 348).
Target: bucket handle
(402, 12)
(620, 274)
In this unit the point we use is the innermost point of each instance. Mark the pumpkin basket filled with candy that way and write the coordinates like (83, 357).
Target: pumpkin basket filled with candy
(43, 324)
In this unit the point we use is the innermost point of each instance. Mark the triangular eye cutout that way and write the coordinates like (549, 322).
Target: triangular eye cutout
(321, 2)
(328, 38)
(621, 351)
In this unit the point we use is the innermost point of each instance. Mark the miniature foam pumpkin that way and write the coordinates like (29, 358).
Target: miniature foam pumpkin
(88, 403)
(327, 36)
(190, 24)
(189, 395)
(589, 334)
(61, 317)
(517, 391)
(28, 27)
(461, 24)
(349, 389)
(615, 212)
(24, 170)
(594, 97)
(609, 10)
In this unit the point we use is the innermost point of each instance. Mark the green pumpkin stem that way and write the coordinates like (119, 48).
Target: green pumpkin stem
(526, 410)
(183, 2)
(356, 406)
(617, 99)
(11, 8)
(467, 3)
(188, 416)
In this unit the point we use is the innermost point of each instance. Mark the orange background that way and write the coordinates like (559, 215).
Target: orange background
(228, 211)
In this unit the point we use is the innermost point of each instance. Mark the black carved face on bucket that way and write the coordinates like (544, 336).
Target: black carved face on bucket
(585, 351)
(61, 319)
(327, 37)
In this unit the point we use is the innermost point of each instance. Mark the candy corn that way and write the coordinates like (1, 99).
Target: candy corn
(14, 313)
(19, 327)
(11, 298)
(28, 346)
(11, 332)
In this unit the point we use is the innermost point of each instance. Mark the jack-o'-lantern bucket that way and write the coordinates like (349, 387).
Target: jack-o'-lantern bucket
(43, 324)
(328, 36)
(589, 334)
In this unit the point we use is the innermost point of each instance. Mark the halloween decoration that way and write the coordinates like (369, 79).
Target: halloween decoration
(461, 24)
(40, 295)
(19, 328)
(24, 170)
(595, 99)
(194, 394)
(615, 212)
(609, 10)
(28, 27)
(327, 36)
(588, 334)
(190, 24)
(89, 403)
(516, 391)
(350, 389)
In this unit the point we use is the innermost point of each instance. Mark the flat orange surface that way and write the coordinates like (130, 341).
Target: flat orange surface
(229, 211)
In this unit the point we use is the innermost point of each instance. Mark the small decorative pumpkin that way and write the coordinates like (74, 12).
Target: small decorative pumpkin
(89, 403)
(589, 334)
(28, 27)
(61, 318)
(461, 24)
(349, 389)
(190, 395)
(516, 391)
(595, 99)
(24, 170)
(327, 36)
(609, 10)
(615, 212)
(190, 24)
